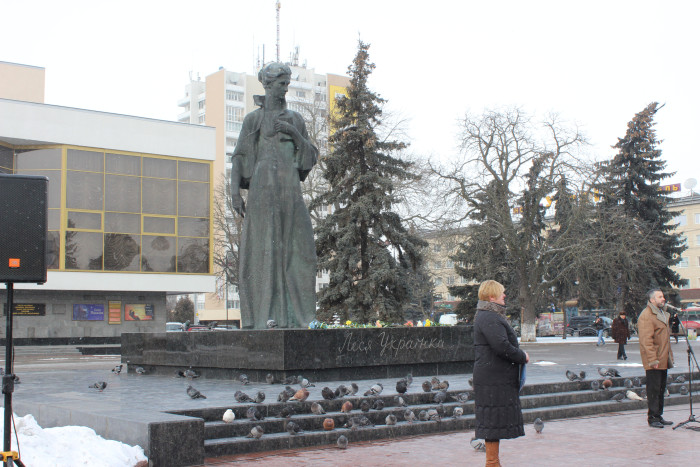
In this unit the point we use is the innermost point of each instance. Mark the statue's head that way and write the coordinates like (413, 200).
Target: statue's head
(272, 71)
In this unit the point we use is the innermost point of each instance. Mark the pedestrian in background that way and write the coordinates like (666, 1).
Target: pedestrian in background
(599, 327)
(675, 326)
(657, 356)
(620, 333)
(497, 369)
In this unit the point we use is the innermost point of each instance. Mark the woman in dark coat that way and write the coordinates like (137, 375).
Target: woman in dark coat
(497, 366)
(675, 326)
(620, 330)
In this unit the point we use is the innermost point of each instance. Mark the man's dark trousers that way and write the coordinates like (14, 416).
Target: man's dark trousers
(656, 387)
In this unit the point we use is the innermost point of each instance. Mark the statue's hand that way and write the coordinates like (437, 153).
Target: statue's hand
(238, 204)
(286, 127)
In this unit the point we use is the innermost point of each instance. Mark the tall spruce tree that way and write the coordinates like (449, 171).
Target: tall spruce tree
(631, 183)
(484, 254)
(362, 243)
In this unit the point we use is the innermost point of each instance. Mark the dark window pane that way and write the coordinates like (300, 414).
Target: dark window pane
(193, 255)
(122, 252)
(195, 171)
(158, 196)
(127, 223)
(193, 199)
(83, 250)
(85, 160)
(158, 253)
(54, 219)
(192, 227)
(84, 191)
(84, 220)
(52, 249)
(122, 193)
(163, 225)
(122, 164)
(39, 159)
(6, 160)
(54, 177)
(160, 168)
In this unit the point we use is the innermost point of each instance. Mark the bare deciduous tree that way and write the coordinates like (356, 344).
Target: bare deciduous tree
(227, 235)
(508, 167)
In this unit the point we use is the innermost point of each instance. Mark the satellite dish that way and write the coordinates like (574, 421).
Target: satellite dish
(690, 183)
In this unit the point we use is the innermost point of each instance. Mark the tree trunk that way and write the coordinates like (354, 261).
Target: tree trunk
(528, 329)
(562, 307)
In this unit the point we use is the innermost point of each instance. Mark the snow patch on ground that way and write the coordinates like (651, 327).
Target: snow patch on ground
(69, 446)
(544, 362)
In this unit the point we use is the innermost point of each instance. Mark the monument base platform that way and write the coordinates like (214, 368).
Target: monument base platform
(317, 354)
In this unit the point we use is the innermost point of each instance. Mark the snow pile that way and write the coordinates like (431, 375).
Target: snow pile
(69, 446)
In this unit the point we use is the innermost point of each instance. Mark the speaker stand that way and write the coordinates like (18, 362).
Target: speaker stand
(8, 384)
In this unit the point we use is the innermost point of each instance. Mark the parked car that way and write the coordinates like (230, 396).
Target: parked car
(173, 326)
(584, 325)
(691, 317)
(448, 319)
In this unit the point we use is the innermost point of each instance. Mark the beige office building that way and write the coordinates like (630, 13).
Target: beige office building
(687, 209)
(22, 82)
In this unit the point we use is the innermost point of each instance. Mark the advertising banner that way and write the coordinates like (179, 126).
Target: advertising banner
(138, 312)
(83, 312)
(114, 316)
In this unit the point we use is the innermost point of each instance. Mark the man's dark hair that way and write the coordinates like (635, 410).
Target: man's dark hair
(652, 292)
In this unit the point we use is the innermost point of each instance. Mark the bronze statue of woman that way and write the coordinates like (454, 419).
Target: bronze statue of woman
(277, 256)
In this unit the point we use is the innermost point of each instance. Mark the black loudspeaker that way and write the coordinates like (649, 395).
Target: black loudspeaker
(23, 226)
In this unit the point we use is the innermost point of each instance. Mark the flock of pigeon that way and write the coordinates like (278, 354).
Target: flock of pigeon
(630, 383)
(290, 395)
(355, 420)
(372, 402)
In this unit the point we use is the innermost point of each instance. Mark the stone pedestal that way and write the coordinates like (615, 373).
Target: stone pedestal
(320, 355)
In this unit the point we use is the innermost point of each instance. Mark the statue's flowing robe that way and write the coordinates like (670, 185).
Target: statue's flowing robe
(277, 254)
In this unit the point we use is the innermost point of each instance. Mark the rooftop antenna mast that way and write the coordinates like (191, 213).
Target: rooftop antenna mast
(278, 29)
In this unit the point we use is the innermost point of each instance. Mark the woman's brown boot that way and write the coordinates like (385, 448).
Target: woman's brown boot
(492, 454)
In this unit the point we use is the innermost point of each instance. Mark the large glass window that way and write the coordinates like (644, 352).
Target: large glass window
(159, 196)
(52, 249)
(159, 168)
(195, 171)
(193, 227)
(85, 220)
(163, 225)
(54, 218)
(158, 253)
(122, 212)
(122, 252)
(123, 164)
(193, 255)
(126, 223)
(39, 159)
(193, 199)
(90, 161)
(84, 190)
(83, 250)
(123, 194)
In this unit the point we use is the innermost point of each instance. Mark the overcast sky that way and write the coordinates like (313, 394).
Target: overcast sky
(595, 62)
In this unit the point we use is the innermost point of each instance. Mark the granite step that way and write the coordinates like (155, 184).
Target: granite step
(567, 400)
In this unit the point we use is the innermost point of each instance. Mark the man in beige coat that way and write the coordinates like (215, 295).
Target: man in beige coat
(657, 357)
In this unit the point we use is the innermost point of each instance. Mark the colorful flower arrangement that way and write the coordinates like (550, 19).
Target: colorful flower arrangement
(315, 324)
